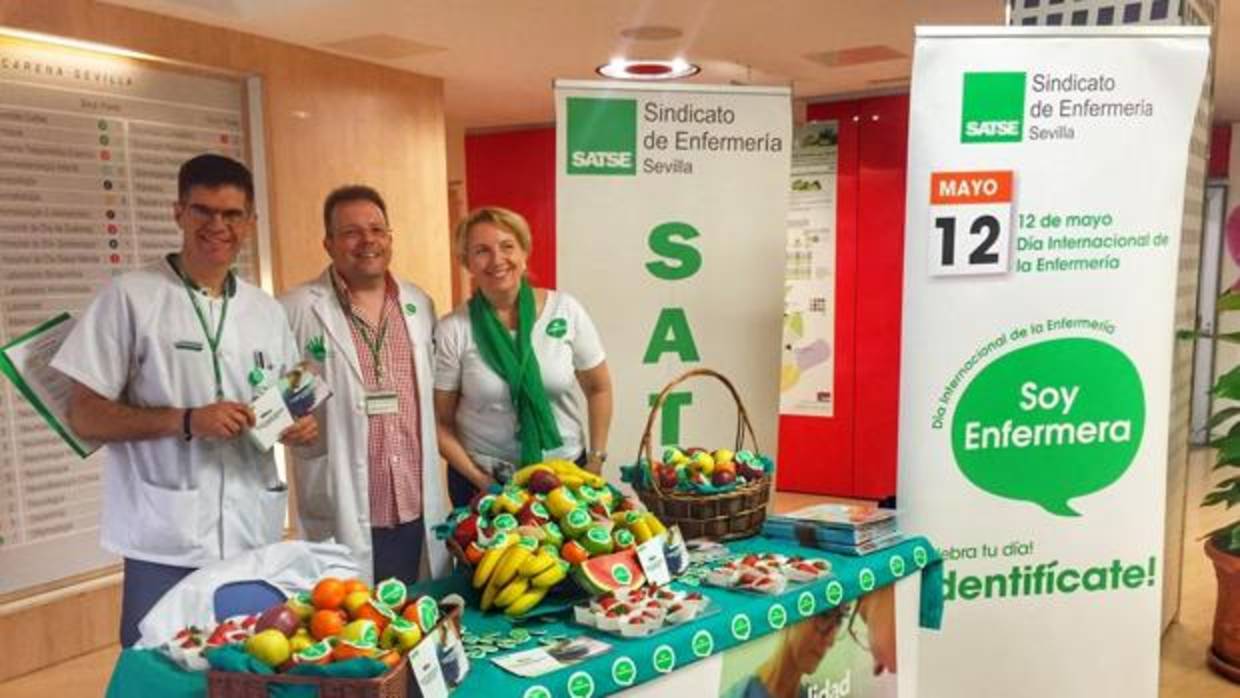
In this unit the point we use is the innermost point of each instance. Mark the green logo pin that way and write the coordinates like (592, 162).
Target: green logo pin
(536, 692)
(776, 616)
(897, 566)
(703, 643)
(834, 593)
(580, 685)
(316, 348)
(557, 328)
(920, 557)
(664, 659)
(866, 579)
(623, 671)
(806, 604)
(410, 309)
(741, 627)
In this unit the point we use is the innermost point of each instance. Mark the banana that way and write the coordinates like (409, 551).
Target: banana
(550, 576)
(488, 595)
(559, 466)
(486, 568)
(656, 526)
(536, 564)
(525, 602)
(510, 593)
(522, 476)
(508, 566)
(572, 481)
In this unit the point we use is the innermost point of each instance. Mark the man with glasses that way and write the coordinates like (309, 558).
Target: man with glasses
(164, 364)
(373, 480)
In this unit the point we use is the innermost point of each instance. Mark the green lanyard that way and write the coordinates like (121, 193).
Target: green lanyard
(376, 346)
(213, 339)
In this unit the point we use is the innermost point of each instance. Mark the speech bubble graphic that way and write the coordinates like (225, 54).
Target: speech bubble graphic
(1050, 422)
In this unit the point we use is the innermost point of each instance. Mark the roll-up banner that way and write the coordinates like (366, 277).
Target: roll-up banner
(1046, 181)
(671, 225)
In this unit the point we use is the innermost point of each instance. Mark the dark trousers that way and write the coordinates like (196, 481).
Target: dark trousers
(144, 585)
(398, 551)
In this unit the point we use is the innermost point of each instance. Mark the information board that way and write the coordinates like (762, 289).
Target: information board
(90, 144)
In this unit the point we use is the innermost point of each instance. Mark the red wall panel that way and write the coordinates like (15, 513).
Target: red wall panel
(516, 170)
(1220, 150)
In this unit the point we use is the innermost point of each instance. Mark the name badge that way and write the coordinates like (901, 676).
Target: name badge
(186, 345)
(382, 402)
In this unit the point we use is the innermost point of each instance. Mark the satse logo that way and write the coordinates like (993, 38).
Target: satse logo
(994, 108)
(602, 136)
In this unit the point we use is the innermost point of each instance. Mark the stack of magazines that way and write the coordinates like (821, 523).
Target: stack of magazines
(848, 529)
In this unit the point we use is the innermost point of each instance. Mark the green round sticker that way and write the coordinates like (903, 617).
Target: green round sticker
(621, 574)
(623, 671)
(776, 616)
(741, 627)
(536, 692)
(897, 566)
(806, 604)
(103, 140)
(866, 579)
(664, 659)
(557, 328)
(1050, 422)
(428, 613)
(703, 643)
(103, 125)
(580, 685)
(920, 557)
(410, 309)
(834, 592)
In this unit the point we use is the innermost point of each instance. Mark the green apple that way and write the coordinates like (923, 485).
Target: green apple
(301, 605)
(270, 647)
(361, 632)
(300, 640)
(401, 635)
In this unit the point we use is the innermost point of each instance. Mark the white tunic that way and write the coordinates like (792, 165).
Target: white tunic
(167, 500)
(564, 340)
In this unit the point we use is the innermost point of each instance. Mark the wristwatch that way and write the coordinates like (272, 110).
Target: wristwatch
(600, 456)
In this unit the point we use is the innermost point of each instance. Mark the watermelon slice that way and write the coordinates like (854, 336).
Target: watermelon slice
(606, 573)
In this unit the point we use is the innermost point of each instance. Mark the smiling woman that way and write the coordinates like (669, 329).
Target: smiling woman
(508, 364)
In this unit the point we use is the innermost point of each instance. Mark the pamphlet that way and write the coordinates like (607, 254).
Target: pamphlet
(271, 418)
(544, 660)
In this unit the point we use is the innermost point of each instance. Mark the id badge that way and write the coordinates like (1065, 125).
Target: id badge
(382, 402)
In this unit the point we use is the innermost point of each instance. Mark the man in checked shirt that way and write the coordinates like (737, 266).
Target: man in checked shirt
(372, 480)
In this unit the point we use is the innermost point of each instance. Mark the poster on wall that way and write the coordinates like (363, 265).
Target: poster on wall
(671, 205)
(1045, 195)
(807, 356)
(848, 651)
(90, 144)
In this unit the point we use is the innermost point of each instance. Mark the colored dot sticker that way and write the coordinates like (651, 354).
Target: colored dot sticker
(806, 604)
(580, 685)
(741, 627)
(536, 692)
(664, 659)
(919, 556)
(621, 574)
(776, 616)
(897, 566)
(623, 671)
(410, 309)
(703, 643)
(557, 328)
(866, 579)
(834, 592)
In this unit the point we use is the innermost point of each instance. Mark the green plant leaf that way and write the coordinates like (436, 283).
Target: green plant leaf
(1232, 337)
(1233, 541)
(1227, 491)
(1228, 301)
(1222, 416)
(1228, 384)
(1228, 450)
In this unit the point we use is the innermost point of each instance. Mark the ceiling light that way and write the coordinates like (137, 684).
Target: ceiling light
(647, 69)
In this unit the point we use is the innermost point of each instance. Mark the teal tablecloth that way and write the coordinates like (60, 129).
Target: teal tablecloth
(742, 617)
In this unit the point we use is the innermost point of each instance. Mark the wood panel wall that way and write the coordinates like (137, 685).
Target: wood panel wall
(328, 121)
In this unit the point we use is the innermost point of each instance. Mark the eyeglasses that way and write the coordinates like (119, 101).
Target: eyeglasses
(231, 217)
(353, 233)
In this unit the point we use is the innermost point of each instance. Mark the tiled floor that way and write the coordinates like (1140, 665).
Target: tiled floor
(1184, 673)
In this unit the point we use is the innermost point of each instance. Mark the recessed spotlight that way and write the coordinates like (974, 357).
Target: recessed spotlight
(647, 69)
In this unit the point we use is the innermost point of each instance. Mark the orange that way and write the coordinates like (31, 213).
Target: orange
(327, 623)
(328, 594)
(355, 584)
(348, 650)
(411, 613)
(390, 658)
(367, 611)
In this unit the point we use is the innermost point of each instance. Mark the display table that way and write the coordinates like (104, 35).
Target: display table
(741, 618)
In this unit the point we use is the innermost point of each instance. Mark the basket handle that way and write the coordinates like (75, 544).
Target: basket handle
(743, 426)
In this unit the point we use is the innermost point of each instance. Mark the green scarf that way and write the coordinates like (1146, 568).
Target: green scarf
(514, 361)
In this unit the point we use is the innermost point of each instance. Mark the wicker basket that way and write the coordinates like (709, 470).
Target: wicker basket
(233, 684)
(726, 516)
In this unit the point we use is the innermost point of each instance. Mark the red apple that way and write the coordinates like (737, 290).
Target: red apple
(281, 618)
(542, 482)
(723, 477)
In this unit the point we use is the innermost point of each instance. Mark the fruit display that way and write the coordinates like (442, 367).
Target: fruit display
(640, 611)
(696, 470)
(768, 573)
(337, 620)
(552, 521)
